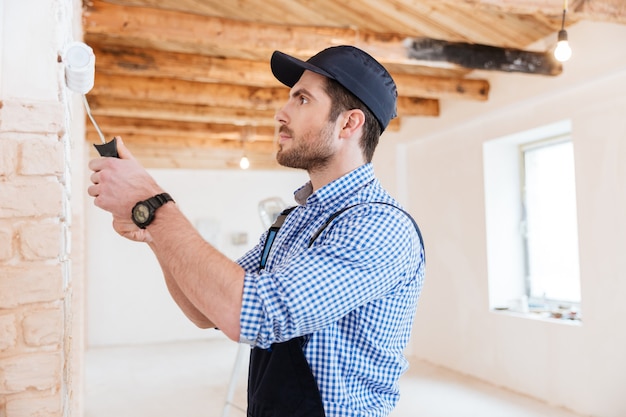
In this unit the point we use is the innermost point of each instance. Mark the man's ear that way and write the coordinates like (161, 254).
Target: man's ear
(352, 121)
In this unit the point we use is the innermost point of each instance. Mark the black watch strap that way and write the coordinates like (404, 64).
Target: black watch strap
(158, 200)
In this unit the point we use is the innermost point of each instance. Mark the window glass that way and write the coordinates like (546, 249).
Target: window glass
(550, 223)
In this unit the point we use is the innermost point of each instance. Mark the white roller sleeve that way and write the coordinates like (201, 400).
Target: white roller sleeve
(80, 63)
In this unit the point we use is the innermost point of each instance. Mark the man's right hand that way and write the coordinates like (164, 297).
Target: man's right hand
(118, 184)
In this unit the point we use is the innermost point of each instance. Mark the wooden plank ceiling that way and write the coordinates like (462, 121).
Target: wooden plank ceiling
(187, 83)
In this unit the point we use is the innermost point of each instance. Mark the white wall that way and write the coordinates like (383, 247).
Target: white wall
(30, 46)
(580, 367)
(128, 302)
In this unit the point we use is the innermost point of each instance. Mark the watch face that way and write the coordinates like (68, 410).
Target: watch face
(141, 213)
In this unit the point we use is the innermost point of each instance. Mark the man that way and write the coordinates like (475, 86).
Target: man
(328, 305)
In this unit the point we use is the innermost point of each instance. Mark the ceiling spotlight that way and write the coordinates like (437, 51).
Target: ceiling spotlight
(563, 52)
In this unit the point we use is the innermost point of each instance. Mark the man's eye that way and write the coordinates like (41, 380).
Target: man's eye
(303, 100)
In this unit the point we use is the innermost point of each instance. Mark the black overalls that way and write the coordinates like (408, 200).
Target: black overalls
(280, 380)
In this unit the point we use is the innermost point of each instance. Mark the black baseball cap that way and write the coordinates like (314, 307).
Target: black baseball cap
(351, 67)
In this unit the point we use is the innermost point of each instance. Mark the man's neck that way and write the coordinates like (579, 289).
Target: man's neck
(322, 177)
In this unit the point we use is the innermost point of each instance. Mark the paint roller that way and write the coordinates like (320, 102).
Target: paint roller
(80, 63)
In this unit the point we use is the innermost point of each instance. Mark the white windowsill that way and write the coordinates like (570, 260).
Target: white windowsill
(544, 315)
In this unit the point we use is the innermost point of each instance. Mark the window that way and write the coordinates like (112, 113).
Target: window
(531, 221)
(549, 222)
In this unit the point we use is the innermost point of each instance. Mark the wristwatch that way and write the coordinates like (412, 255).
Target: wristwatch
(143, 212)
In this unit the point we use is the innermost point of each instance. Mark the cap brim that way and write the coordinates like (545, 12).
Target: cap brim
(288, 69)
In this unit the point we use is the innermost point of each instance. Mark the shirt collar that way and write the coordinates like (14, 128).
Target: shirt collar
(338, 191)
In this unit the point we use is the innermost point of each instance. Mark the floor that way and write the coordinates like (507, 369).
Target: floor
(191, 379)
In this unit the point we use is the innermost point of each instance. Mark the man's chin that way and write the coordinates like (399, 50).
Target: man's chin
(284, 160)
(279, 156)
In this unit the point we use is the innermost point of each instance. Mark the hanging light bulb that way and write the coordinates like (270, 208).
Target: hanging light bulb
(563, 52)
(244, 163)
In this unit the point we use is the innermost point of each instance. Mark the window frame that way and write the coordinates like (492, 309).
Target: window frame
(503, 185)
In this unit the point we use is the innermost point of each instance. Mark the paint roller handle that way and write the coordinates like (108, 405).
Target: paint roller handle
(108, 149)
(79, 77)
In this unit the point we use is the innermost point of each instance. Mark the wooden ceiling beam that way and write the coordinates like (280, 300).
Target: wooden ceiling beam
(118, 60)
(207, 35)
(115, 60)
(144, 109)
(441, 87)
(613, 11)
(189, 92)
(148, 139)
(222, 95)
(416, 106)
(191, 133)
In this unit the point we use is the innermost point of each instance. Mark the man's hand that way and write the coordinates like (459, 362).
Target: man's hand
(118, 184)
(126, 228)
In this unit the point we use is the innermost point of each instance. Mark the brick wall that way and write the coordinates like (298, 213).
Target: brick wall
(34, 259)
(40, 278)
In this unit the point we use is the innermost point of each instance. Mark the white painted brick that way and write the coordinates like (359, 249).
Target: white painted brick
(41, 328)
(30, 283)
(40, 371)
(32, 116)
(39, 240)
(6, 242)
(35, 407)
(33, 173)
(31, 197)
(8, 156)
(8, 332)
(43, 155)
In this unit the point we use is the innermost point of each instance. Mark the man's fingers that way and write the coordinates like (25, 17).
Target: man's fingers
(92, 190)
(126, 228)
(96, 164)
(122, 150)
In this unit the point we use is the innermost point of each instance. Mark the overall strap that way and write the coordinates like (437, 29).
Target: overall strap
(271, 234)
(280, 380)
(334, 215)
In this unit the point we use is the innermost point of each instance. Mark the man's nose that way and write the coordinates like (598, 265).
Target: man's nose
(281, 116)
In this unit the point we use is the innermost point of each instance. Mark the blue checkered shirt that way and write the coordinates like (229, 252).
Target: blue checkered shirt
(354, 292)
